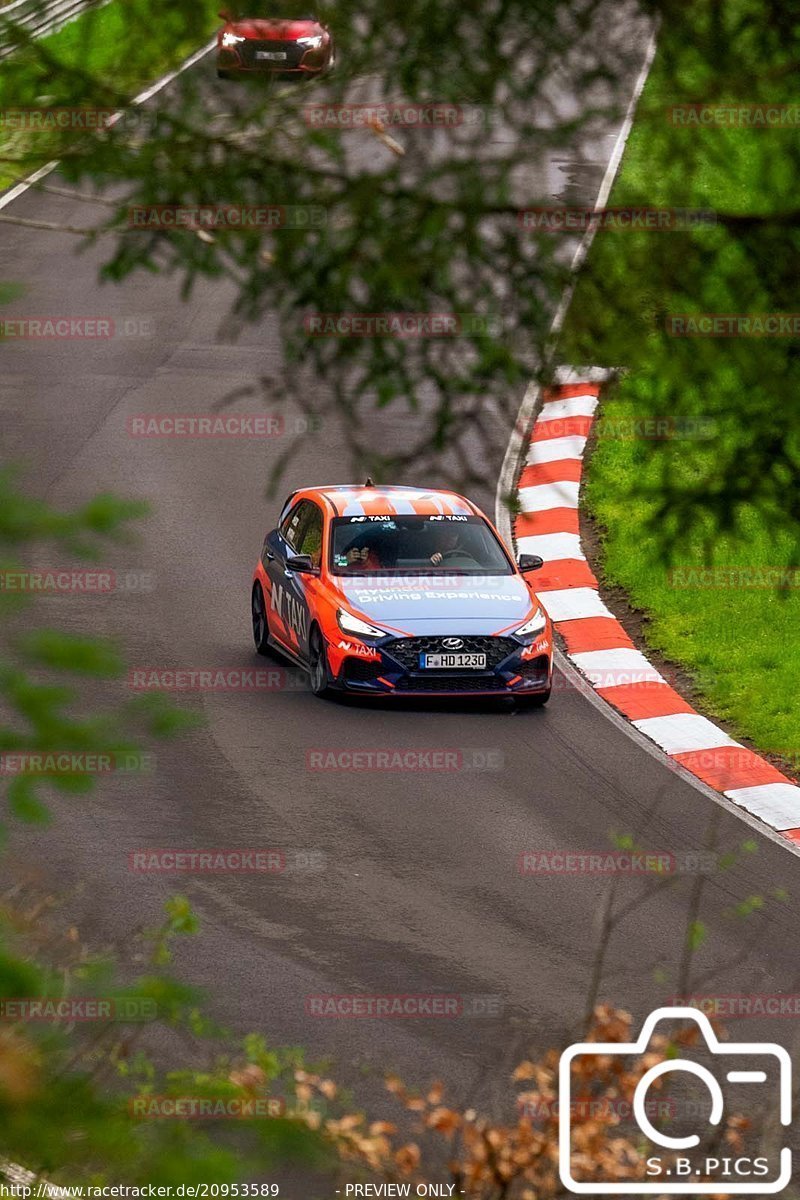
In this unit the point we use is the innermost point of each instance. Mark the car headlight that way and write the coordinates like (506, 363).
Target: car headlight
(310, 43)
(231, 39)
(533, 626)
(348, 623)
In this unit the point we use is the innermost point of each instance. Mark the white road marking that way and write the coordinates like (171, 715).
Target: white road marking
(682, 732)
(555, 449)
(776, 803)
(540, 497)
(570, 604)
(575, 406)
(552, 546)
(615, 668)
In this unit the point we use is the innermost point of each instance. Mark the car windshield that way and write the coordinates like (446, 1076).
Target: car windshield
(416, 545)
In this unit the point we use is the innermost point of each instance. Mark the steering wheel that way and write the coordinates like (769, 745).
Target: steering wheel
(462, 554)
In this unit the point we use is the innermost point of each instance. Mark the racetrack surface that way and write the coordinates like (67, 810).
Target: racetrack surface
(420, 891)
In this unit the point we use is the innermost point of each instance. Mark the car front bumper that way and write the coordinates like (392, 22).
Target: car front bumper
(243, 59)
(393, 668)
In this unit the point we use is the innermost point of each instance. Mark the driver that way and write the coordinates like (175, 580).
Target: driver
(449, 545)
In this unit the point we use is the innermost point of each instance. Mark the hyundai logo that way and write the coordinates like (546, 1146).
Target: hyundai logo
(453, 643)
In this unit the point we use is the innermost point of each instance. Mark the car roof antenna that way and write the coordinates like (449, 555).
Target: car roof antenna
(369, 482)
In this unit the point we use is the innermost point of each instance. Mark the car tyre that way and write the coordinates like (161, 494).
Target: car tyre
(318, 665)
(537, 701)
(258, 610)
(224, 74)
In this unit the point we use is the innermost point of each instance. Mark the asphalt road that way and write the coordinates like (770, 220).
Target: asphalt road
(420, 891)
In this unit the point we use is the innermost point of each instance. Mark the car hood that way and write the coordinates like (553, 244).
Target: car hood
(273, 30)
(464, 604)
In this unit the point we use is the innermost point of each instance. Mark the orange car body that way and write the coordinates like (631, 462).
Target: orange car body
(353, 574)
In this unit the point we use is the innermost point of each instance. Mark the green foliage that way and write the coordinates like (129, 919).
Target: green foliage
(432, 230)
(66, 1087)
(696, 934)
(725, 492)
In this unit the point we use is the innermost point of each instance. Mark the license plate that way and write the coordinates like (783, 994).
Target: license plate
(472, 662)
(272, 55)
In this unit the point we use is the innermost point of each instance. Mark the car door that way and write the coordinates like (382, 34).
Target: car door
(287, 610)
(309, 541)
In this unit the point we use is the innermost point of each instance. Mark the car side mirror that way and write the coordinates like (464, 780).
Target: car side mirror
(530, 562)
(301, 564)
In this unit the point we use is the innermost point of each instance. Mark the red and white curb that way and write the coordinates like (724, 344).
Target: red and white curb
(595, 641)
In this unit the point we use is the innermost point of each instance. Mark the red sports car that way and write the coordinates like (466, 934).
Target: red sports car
(273, 45)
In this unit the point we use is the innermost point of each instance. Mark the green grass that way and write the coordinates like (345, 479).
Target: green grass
(109, 53)
(730, 498)
(740, 645)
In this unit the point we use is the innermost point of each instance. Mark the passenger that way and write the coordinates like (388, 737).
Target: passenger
(366, 555)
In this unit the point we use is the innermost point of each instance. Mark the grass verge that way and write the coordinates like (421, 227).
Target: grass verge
(108, 53)
(713, 480)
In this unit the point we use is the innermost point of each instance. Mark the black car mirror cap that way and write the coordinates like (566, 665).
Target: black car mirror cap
(301, 564)
(530, 562)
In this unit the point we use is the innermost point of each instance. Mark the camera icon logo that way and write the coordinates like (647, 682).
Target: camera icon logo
(759, 1072)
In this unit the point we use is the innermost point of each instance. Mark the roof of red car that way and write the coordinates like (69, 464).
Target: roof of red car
(373, 500)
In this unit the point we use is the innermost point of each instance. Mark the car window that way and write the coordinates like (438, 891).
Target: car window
(291, 526)
(310, 534)
(405, 544)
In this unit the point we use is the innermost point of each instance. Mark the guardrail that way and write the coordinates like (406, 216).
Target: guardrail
(38, 17)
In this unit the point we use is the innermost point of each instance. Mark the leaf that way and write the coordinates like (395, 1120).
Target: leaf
(24, 803)
(68, 652)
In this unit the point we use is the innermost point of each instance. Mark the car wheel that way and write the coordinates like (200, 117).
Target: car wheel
(318, 665)
(258, 610)
(224, 74)
(538, 701)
